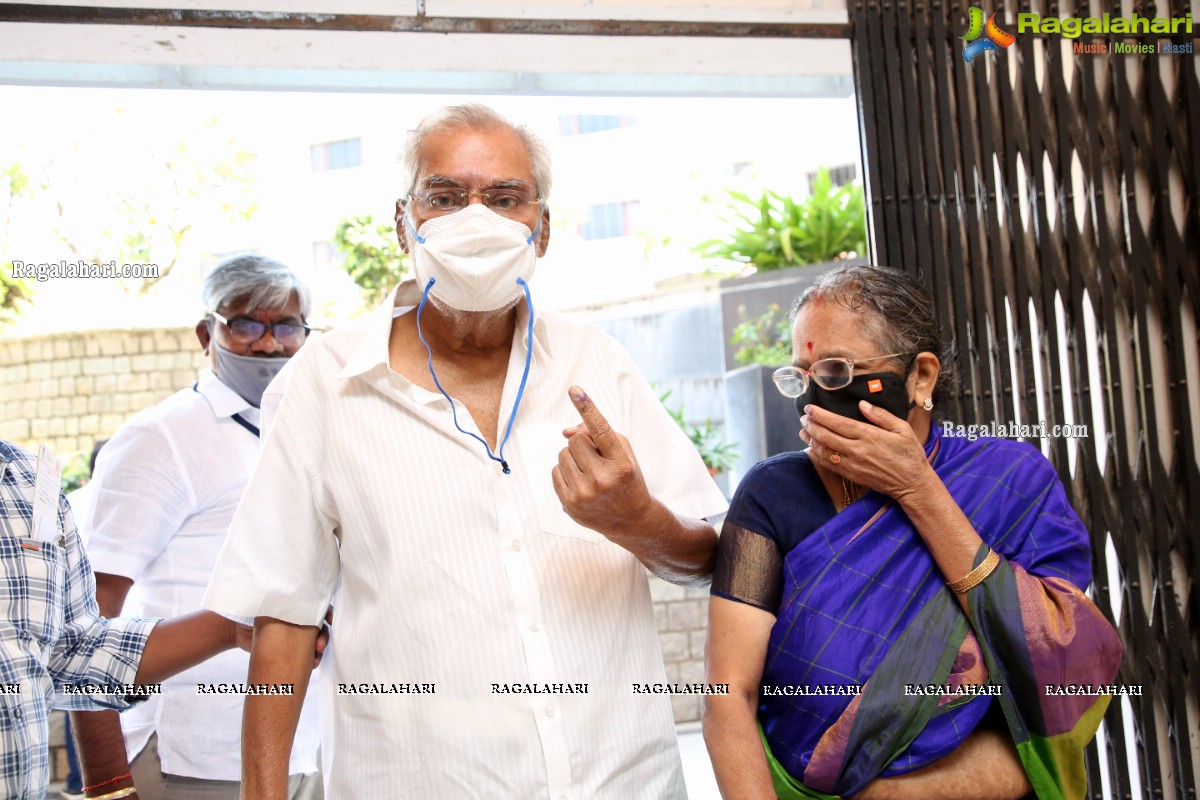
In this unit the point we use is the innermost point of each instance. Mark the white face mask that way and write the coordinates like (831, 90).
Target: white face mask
(474, 257)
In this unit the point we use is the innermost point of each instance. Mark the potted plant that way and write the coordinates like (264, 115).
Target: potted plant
(784, 245)
(776, 231)
(716, 453)
(765, 339)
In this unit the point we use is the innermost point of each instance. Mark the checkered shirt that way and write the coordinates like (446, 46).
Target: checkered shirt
(52, 635)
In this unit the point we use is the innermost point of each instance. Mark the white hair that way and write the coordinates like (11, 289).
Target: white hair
(478, 117)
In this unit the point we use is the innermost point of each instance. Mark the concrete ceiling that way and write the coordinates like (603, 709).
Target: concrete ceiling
(787, 48)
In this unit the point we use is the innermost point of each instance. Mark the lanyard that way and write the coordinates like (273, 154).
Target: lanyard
(520, 391)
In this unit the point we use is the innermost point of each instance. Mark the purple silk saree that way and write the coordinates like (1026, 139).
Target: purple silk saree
(864, 604)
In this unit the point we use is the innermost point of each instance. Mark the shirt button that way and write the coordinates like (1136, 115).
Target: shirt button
(516, 545)
(550, 710)
(18, 713)
(533, 626)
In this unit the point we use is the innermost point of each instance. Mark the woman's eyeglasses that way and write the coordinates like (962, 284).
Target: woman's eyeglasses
(829, 373)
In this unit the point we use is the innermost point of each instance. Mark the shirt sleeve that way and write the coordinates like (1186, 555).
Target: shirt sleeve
(142, 497)
(749, 567)
(281, 557)
(92, 651)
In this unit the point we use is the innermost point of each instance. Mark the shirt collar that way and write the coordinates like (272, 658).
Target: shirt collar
(372, 350)
(9, 451)
(225, 402)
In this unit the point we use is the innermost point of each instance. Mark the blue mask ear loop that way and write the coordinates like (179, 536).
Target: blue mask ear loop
(420, 239)
(520, 390)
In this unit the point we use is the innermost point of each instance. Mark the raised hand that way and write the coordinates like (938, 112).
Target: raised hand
(597, 478)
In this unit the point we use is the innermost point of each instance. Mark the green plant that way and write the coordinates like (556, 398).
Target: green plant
(765, 339)
(777, 232)
(716, 453)
(371, 255)
(15, 293)
(75, 471)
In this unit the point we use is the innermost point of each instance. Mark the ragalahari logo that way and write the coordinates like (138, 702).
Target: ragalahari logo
(983, 36)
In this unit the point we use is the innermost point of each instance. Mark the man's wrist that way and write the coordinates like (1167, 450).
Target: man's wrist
(106, 788)
(116, 794)
(645, 522)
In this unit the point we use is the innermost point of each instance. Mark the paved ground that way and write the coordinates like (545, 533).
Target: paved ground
(697, 769)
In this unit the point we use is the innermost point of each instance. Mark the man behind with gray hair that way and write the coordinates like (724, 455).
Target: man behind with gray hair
(166, 487)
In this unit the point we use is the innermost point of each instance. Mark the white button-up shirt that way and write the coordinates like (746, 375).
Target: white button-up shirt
(165, 489)
(451, 576)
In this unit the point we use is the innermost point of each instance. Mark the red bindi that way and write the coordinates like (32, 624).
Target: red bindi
(810, 347)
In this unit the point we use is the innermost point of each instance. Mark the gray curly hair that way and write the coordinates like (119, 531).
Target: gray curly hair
(897, 312)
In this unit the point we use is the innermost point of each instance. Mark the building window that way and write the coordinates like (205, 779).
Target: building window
(575, 124)
(609, 221)
(840, 175)
(336, 155)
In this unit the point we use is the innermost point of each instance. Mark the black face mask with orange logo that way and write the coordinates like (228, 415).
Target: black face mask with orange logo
(883, 389)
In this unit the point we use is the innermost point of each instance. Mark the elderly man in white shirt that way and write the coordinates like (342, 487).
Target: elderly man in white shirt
(453, 472)
(165, 490)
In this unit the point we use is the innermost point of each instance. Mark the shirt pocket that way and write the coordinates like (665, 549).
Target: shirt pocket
(36, 578)
(540, 446)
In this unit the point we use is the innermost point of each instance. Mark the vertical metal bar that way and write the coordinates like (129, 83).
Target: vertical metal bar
(884, 39)
(865, 100)
(949, 291)
(898, 65)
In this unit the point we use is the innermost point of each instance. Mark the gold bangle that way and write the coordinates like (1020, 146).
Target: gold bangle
(977, 575)
(114, 795)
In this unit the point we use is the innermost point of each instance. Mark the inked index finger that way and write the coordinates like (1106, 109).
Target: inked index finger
(601, 432)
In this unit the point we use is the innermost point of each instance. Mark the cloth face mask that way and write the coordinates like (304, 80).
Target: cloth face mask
(247, 375)
(884, 389)
(474, 258)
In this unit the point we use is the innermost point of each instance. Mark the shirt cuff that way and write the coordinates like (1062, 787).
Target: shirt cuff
(109, 678)
(242, 603)
(112, 563)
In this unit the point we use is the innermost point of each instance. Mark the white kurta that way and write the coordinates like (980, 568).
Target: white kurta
(165, 489)
(454, 574)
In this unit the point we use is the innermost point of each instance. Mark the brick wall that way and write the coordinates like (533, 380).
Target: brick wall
(68, 390)
(682, 618)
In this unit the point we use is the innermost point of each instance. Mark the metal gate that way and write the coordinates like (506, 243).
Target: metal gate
(1048, 196)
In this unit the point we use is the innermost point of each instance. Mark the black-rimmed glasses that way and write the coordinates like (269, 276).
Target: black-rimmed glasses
(248, 331)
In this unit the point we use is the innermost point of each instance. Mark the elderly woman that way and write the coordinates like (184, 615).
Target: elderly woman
(944, 577)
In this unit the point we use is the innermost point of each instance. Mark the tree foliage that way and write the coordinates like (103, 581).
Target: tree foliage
(776, 231)
(371, 255)
(15, 293)
(139, 201)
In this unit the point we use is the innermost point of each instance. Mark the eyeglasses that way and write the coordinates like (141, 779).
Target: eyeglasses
(248, 331)
(507, 202)
(829, 373)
